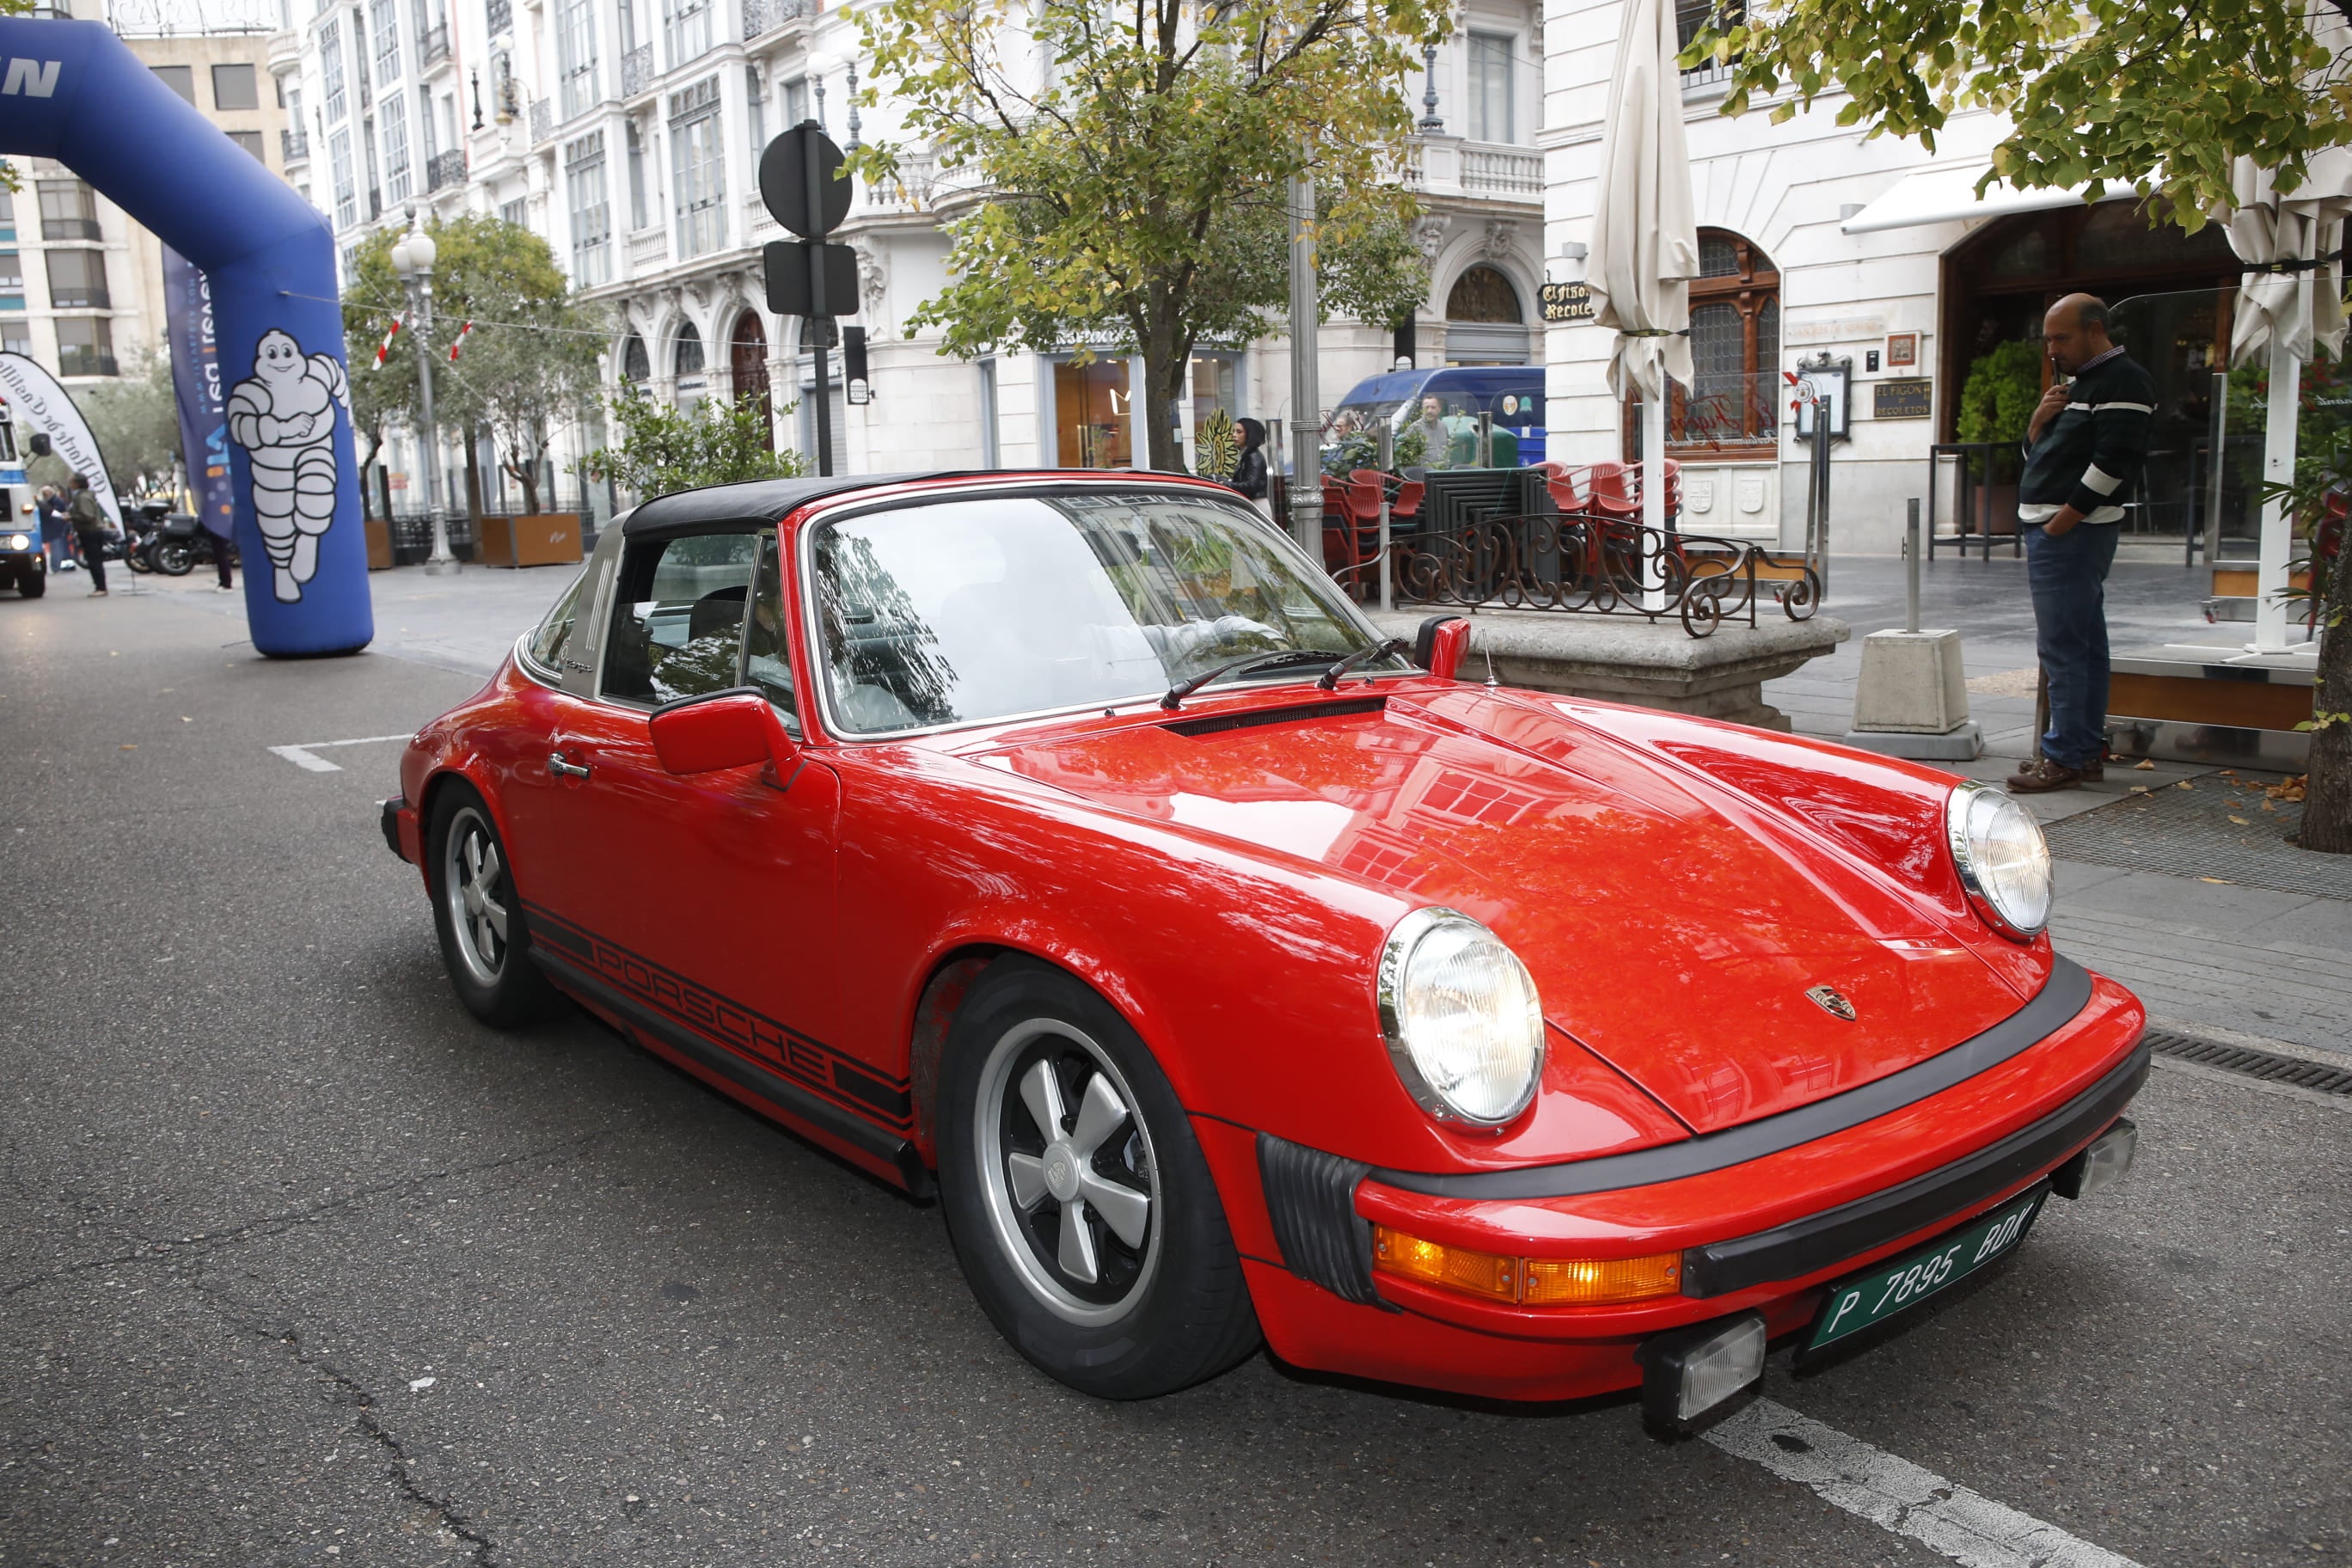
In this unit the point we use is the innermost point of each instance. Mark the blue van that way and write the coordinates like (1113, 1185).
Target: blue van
(1513, 394)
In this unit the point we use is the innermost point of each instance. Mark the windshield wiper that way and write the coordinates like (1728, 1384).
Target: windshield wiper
(1183, 688)
(1331, 681)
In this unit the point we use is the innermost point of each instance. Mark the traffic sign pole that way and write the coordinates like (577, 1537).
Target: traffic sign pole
(819, 307)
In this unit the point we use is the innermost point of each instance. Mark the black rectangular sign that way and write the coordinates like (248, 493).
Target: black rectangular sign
(1902, 399)
(1567, 301)
(788, 279)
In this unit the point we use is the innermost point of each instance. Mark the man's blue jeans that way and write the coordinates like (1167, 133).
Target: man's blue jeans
(2068, 577)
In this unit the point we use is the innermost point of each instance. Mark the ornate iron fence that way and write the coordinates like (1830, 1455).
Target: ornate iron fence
(766, 15)
(1590, 564)
(433, 44)
(636, 70)
(293, 147)
(443, 169)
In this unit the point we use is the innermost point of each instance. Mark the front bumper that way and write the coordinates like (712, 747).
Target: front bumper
(400, 829)
(1759, 1235)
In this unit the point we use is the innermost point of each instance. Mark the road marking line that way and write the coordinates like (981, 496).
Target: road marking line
(1897, 1495)
(302, 757)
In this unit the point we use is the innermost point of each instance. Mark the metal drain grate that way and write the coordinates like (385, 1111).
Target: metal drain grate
(2268, 1065)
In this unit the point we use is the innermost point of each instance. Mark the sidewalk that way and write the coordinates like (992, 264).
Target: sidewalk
(2220, 928)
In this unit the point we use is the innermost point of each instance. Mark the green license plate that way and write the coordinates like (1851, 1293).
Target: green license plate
(1859, 1300)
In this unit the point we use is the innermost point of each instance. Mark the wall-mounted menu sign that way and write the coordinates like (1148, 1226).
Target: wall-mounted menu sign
(1901, 399)
(1567, 301)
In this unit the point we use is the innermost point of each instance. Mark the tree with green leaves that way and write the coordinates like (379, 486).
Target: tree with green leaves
(2160, 97)
(529, 367)
(1133, 165)
(661, 450)
(136, 423)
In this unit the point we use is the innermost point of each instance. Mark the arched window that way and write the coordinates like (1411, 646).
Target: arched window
(747, 364)
(1732, 406)
(1484, 321)
(636, 368)
(686, 356)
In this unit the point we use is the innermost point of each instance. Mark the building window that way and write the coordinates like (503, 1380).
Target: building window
(1692, 15)
(698, 168)
(637, 365)
(181, 79)
(592, 211)
(755, 94)
(331, 68)
(639, 216)
(686, 365)
(991, 453)
(251, 142)
(77, 281)
(12, 281)
(7, 215)
(338, 155)
(387, 43)
(1733, 404)
(234, 87)
(575, 47)
(796, 101)
(1492, 114)
(374, 180)
(685, 30)
(69, 210)
(85, 346)
(1092, 409)
(16, 337)
(395, 148)
(515, 212)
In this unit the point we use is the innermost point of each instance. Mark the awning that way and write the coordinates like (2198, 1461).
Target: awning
(1949, 196)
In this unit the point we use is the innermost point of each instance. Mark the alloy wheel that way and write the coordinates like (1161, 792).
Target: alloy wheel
(474, 890)
(1068, 1180)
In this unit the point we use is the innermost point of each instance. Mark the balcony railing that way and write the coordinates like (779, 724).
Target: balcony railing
(648, 248)
(500, 15)
(435, 46)
(1502, 171)
(636, 70)
(294, 147)
(766, 15)
(375, 205)
(445, 169)
(542, 122)
(69, 229)
(76, 361)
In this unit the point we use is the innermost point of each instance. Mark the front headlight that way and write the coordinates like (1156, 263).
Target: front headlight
(1463, 1025)
(2002, 858)
(20, 540)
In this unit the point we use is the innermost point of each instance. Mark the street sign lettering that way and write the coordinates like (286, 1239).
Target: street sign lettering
(1567, 302)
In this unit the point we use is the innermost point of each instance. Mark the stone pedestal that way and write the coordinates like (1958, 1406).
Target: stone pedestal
(1622, 659)
(1913, 698)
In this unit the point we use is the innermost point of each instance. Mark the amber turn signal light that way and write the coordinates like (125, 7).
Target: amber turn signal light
(1525, 1282)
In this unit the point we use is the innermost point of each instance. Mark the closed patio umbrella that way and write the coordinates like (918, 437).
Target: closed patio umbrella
(2292, 312)
(1645, 239)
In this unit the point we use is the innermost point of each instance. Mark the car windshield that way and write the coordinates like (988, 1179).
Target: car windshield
(972, 609)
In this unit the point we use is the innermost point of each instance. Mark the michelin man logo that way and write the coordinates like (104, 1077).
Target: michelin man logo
(284, 417)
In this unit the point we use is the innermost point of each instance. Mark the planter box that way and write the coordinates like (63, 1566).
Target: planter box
(379, 544)
(540, 539)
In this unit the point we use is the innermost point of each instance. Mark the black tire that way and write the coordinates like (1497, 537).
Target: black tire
(1157, 1316)
(490, 969)
(32, 584)
(139, 555)
(174, 560)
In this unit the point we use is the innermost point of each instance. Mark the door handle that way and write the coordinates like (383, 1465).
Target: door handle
(559, 768)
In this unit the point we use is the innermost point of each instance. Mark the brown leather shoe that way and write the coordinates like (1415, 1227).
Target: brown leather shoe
(2042, 775)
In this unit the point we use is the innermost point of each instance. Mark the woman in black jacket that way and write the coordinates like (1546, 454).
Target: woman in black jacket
(1249, 469)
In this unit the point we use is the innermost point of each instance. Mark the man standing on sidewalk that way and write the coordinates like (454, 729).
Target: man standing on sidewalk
(2084, 450)
(89, 520)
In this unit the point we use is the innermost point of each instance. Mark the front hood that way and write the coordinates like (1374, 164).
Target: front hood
(1674, 929)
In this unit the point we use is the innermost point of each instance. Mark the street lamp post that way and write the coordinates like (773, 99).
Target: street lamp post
(412, 257)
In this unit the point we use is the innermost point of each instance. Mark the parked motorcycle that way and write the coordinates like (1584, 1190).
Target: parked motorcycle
(142, 521)
(182, 545)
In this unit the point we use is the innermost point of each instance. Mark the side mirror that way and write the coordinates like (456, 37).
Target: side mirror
(1440, 644)
(730, 729)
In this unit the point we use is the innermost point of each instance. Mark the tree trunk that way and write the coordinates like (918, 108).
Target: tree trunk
(1163, 390)
(2328, 793)
(527, 476)
(474, 475)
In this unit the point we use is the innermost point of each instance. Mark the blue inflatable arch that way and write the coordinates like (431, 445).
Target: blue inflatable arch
(72, 91)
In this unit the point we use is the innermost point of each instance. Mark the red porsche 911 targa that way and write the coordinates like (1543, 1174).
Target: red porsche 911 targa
(1069, 845)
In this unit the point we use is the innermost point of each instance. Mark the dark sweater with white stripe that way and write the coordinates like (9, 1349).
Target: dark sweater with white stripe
(2090, 456)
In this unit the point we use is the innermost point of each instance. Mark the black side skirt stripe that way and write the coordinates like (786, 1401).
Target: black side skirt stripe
(2066, 996)
(1817, 1241)
(823, 1115)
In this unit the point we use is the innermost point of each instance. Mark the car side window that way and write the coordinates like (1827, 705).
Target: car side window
(767, 652)
(677, 617)
(556, 633)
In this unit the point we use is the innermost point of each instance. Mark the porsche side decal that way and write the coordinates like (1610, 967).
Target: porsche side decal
(783, 1049)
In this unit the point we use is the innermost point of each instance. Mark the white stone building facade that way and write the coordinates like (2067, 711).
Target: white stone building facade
(627, 133)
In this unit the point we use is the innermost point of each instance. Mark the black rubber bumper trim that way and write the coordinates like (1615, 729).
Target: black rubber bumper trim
(1817, 1241)
(830, 1118)
(1310, 1196)
(389, 814)
(2068, 993)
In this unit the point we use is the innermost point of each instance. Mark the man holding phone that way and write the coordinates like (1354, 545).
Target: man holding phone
(2085, 447)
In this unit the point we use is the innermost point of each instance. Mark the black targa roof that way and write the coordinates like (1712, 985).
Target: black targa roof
(760, 502)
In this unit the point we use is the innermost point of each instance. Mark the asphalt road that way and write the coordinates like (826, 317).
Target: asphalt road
(300, 1265)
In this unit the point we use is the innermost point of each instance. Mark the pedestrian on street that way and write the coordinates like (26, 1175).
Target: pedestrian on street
(1249, 468)
(1436, 440)
(57, 529)
(89, 527)
(224, 558)
(2085, 447)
